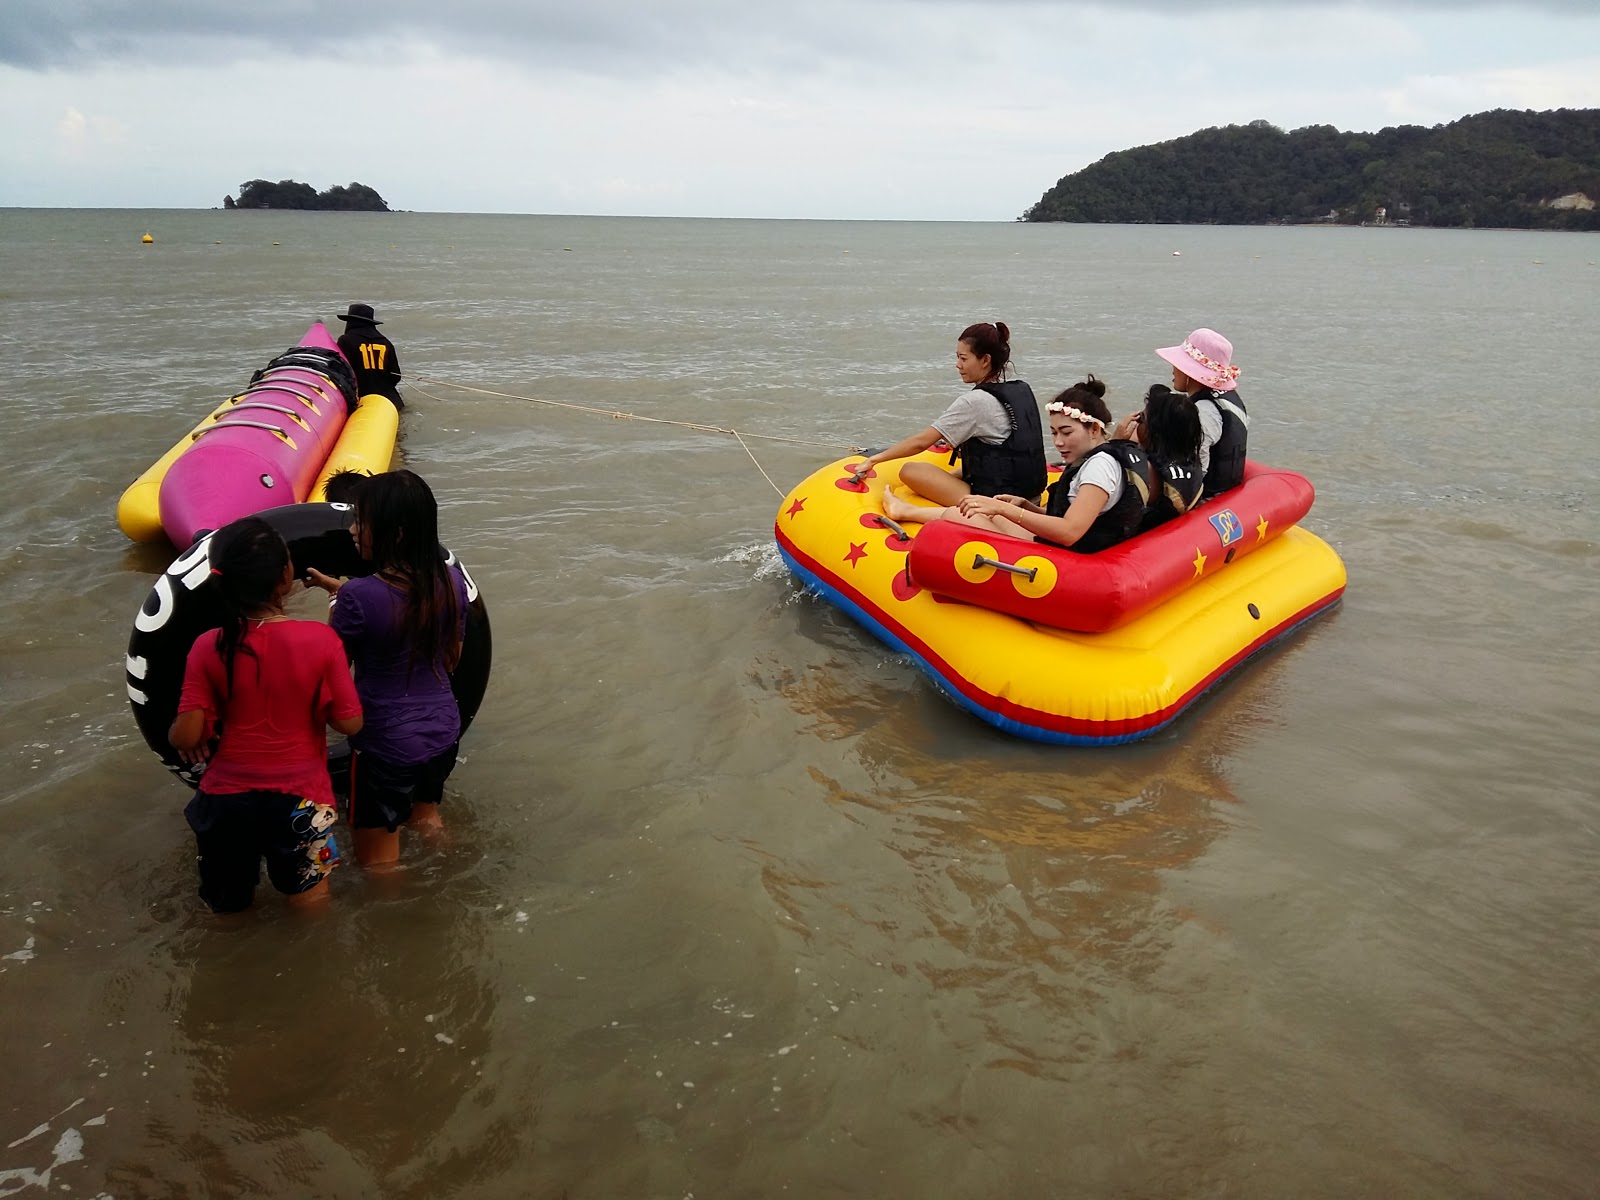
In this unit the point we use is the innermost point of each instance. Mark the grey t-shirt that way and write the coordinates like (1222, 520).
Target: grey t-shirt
(974, 414)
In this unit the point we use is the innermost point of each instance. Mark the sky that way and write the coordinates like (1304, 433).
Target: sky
(826, 109)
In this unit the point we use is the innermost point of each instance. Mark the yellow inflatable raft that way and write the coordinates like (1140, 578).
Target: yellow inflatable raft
(1175, 609)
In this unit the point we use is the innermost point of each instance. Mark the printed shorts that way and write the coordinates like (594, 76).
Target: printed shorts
(234, 831)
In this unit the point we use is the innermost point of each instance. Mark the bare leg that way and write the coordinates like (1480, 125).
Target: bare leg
(426, 821)
(312, 896)
(907, 513)
(935, 483)
(377, 848)
(991, 524)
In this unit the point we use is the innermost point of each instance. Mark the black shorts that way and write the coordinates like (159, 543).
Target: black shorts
(234, 831)
(382, 792)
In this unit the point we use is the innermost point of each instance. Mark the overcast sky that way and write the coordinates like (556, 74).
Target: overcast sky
(892, 109)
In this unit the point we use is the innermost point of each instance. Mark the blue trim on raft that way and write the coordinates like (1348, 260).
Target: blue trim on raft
(1017, 728)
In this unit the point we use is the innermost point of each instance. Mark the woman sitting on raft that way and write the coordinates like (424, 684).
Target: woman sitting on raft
(1168, 428)
(1202, 368)
(995, 428)
(1100, 498)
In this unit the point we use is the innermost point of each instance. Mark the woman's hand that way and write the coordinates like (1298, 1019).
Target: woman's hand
(986, 506)
(1130, 430)
(315, 578)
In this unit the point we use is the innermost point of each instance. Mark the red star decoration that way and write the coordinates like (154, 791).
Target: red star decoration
(796, 506)
(858, 551)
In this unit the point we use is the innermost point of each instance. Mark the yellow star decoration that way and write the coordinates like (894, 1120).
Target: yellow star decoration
(1261, 530)
(1199, 562)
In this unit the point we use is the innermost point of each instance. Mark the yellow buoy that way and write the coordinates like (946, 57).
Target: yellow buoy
(147, 239)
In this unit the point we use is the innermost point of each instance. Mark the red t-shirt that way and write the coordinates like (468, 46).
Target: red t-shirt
(273, 726)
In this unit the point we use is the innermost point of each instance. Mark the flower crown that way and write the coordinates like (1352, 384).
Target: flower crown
(1077, 414)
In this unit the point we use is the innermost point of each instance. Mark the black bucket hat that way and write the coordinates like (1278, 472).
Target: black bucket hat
(360, 312)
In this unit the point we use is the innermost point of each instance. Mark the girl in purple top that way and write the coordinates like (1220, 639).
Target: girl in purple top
(403, 628)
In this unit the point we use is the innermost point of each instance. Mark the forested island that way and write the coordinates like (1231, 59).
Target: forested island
(290, 193)
(1504, 169)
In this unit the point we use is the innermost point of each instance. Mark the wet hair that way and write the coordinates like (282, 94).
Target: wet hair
(247, 559)
(1088, 397)
(993, 340)
(1171, 425)
(400, 517)
(341, 486)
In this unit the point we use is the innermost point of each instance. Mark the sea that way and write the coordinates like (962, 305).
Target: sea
(734, 903)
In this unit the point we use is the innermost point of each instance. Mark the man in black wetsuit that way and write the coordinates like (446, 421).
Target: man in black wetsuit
(373, 356)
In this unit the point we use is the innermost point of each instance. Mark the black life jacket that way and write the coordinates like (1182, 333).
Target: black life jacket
(1178, 487)
(1119, 521)
(1226, 468)
(1016, 466)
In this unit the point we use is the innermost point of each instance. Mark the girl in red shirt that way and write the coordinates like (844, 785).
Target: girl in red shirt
(257, 694)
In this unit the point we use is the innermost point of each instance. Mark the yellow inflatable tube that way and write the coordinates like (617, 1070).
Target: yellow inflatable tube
(1041, 683)
(366, 444)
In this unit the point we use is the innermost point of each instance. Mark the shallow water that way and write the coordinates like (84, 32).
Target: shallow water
(734, 904)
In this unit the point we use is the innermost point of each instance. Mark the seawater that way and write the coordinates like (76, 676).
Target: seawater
(734, 904)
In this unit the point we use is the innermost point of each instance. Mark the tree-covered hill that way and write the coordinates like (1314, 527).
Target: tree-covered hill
(1502, 168)
(290, 193)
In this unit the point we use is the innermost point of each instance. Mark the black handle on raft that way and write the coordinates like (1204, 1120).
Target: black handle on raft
(980, 561)
(883, 520)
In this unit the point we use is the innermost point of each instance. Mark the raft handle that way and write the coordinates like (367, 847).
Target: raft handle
(200, 433)
(883, 520)
(979, 560)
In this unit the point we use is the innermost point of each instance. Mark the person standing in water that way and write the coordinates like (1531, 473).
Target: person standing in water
(260, 689)
(373, 356)
(995, 428)
(403, 628)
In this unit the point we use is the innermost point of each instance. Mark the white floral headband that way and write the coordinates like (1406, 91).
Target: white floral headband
(1077, 414)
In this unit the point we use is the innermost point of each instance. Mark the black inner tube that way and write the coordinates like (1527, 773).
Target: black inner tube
(183, 604)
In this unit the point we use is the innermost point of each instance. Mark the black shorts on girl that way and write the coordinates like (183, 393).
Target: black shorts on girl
(234, 831)
(382, 793)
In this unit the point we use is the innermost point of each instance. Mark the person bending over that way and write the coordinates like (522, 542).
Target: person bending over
(995, 428)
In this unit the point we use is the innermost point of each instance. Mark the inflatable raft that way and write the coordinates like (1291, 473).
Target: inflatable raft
(1075, 649)
(298, 422)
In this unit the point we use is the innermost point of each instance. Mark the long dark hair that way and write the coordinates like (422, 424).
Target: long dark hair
(400, 518)
(993, 340)
(247, 558)
(1171, 425)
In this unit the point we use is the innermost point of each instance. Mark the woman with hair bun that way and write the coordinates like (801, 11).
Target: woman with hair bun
(995, 428)
(257, 693)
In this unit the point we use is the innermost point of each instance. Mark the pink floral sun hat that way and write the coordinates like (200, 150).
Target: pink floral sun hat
(1204, 357)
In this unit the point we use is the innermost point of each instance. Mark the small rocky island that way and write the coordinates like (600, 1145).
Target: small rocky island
(291, 193)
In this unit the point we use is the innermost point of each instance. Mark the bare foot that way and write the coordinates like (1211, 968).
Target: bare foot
(904, 511)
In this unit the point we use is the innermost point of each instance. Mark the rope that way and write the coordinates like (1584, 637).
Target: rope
(627, 416)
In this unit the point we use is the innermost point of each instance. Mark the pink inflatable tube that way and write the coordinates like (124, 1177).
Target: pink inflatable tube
(265, 451)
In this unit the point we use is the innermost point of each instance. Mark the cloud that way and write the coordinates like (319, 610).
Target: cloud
(606, 37)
